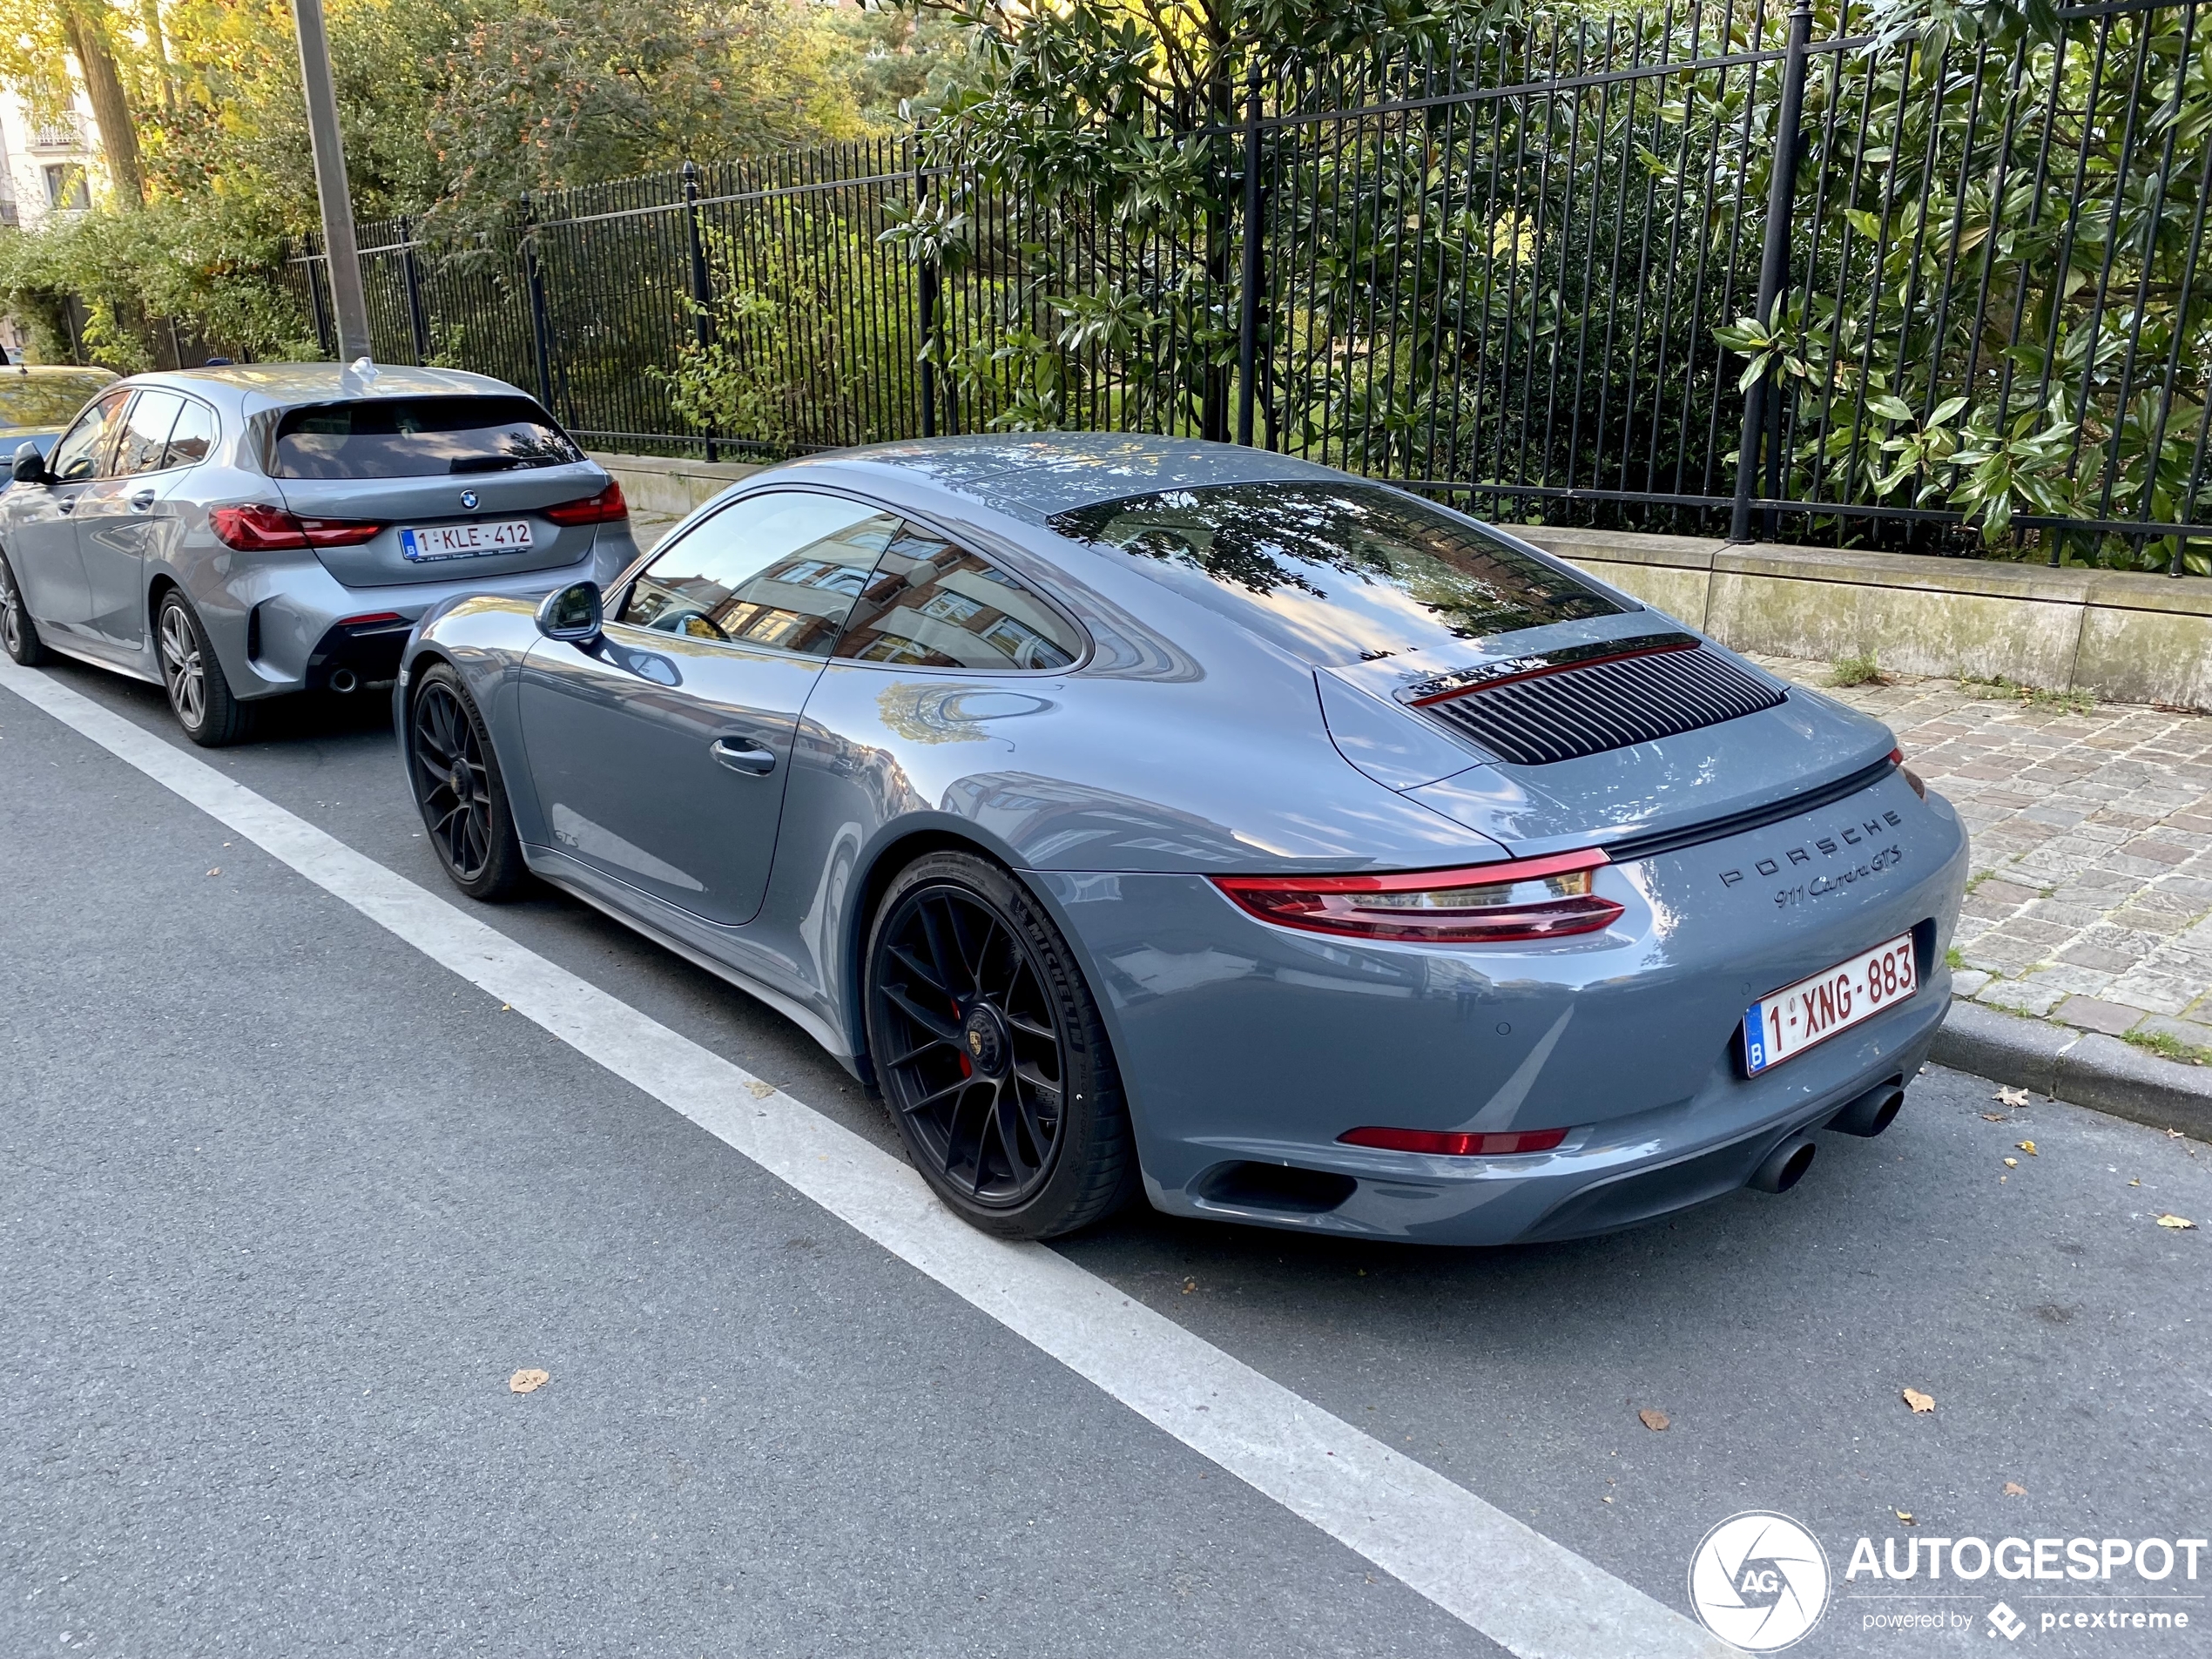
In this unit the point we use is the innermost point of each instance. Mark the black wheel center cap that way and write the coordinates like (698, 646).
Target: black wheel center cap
(989, 1045)
(458, 782)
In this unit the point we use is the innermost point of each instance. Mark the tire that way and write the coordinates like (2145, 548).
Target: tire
(999, 1074)
(200, 696)
(19, 633)
(459, 791)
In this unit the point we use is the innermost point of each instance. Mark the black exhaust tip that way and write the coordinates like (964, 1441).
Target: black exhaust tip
(1785, 1166)
(1873, 1111)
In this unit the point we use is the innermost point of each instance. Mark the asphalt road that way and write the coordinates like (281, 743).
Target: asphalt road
(283, 1204)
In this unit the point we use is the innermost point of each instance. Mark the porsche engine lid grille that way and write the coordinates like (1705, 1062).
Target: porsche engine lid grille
(1646, 689)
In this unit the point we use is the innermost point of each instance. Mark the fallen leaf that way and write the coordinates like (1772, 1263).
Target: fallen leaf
(2013, 1097)
(2137, 1181)
(528, 1382)
(1995, 1117)
(2014, 1489)
(2179, 1223)
(2028, 1147)
(1918, 1401)
(2173, 1134)
(2012, 1164)
(1605, 1501)
(218, 871)
(1188, 1285)
(757, 1090)
(1653, 1420)
(1905, 1515)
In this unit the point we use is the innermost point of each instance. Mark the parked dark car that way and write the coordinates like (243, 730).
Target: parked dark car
(1145, 814)
(242, 533)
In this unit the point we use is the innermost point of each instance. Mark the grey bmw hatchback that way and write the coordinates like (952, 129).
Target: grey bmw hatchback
(1142, 815)
(239, 534)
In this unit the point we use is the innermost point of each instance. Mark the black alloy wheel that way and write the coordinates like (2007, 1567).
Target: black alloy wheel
(458, 786)
(989, 1050)
(19, 633)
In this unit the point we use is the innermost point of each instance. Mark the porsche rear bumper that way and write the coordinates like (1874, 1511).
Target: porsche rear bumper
(1247, 1049)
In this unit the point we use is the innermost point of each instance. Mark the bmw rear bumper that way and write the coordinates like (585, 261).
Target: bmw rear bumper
(293, 627)
(1246, 1049)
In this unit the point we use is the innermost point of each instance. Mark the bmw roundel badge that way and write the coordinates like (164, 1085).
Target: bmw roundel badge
(468, 499)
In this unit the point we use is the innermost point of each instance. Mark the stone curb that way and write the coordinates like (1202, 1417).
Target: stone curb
(2085, 1068)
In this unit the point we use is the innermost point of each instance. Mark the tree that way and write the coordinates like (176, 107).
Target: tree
(37, 42)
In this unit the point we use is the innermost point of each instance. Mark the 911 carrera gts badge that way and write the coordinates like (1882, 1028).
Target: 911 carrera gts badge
(1828, 846)
(468, 499)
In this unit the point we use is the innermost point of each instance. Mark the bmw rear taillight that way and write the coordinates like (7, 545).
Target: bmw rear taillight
(1452, 1143)
(256, 529)
(1546, 898)
(601, 509)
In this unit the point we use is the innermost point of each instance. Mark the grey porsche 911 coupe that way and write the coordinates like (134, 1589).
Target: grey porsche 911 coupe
(1143, 812)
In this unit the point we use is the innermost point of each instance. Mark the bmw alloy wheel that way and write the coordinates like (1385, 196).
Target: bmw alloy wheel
(182, 670)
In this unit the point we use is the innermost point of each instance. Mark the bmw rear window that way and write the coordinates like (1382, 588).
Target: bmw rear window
(418, 437)
(1338, 572)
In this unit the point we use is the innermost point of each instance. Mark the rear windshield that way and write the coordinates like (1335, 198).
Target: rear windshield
(46, 399)
(1338, 572)
(418, 437)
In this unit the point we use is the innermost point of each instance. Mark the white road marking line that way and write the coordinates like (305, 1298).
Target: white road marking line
(1532, 1596)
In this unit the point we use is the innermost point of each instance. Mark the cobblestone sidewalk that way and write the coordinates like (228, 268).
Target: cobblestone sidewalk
(2091, 898)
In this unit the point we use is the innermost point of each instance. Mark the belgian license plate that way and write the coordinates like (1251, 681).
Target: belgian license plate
(460, 541)
(1784, 1024)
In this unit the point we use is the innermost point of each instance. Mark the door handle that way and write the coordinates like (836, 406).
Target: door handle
(742, 754)
(142, 502)
(66, 504)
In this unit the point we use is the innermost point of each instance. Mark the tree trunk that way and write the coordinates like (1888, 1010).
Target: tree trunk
(88, 43)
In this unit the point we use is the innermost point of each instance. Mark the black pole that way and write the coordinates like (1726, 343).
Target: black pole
(925, 286)
(1774, 260)
(1247, 299)
(418, 319)
(325, 339)
(541, 318)
(702, 279)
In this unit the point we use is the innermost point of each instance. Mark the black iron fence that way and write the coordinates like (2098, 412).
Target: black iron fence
(1726, 268)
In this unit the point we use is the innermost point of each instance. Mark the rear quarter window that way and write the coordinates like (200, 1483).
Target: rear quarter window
(417, 437)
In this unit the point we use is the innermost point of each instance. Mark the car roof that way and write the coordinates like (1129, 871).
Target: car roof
(255, 387)
(1035, 475)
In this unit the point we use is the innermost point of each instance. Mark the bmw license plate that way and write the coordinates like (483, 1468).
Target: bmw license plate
(460, 541)
(1784, 1024)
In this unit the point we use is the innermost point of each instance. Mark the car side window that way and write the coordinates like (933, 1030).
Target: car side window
(935, 605)
(85, 446)
(192, 437)
(781, 569)
(145, 431)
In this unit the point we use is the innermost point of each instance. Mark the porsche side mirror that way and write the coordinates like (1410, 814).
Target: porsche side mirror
(573, 613)
(30, 465)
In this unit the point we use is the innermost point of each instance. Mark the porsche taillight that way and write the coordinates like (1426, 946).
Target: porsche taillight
(1525, 899)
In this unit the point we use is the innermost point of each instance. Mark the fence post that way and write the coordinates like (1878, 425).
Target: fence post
(418, 320)
(316, 306)
(925, 293)
(1248, 297)
(702, 280)
(1774, 259)
(541, 317)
